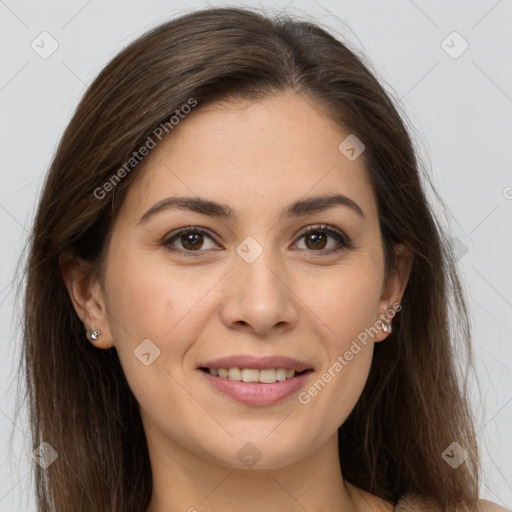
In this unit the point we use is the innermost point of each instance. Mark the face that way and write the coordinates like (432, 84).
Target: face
(184, 288)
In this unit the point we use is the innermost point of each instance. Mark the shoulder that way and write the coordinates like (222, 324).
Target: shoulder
(417, 503)
(490, 506)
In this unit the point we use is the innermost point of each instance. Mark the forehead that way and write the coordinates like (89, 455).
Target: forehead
(263, 153)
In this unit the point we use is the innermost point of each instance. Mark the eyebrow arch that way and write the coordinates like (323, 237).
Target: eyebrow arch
(222, 211)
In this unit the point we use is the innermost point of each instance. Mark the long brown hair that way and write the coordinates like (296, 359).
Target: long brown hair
(414, 404)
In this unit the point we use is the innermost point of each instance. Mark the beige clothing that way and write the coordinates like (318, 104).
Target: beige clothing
(416, 503)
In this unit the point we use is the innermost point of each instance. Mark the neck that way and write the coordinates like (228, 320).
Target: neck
(185, 481)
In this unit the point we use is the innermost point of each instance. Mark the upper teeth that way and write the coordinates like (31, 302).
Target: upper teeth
(252, 375)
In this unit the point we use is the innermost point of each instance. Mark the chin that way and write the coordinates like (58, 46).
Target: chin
(259, 451)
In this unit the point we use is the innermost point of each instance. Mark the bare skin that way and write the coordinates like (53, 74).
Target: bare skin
(294, 299)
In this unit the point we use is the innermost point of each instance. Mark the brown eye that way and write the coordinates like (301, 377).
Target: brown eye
(316, 239)
(191, 240)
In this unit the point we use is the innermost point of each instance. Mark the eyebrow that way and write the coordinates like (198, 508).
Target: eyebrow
(222, 211)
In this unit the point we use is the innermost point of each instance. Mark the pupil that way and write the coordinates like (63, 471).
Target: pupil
(194, 237)
(316, 239)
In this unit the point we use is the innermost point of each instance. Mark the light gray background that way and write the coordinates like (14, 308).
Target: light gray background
(461, 109)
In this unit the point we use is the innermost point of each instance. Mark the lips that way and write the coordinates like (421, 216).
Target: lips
(254, 380)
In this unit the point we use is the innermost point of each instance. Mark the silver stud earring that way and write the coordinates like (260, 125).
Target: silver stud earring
(93, 335)
(387, 327)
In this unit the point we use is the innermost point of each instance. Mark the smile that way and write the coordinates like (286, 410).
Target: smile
(255, 387)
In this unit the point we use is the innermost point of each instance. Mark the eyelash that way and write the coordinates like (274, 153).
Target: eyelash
(344, 240)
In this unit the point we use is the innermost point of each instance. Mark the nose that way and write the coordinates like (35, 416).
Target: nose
(258, 296)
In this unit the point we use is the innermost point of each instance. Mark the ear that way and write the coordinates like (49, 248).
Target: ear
(393, 289)
(87, 298)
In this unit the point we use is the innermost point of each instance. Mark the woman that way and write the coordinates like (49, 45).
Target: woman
(237, 293)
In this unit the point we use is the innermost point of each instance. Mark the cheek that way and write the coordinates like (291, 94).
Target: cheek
(139, 301)
(332, 395)
(149, 297)
(150, 300)
(148, 316)
(346, 303)
(346, 313)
